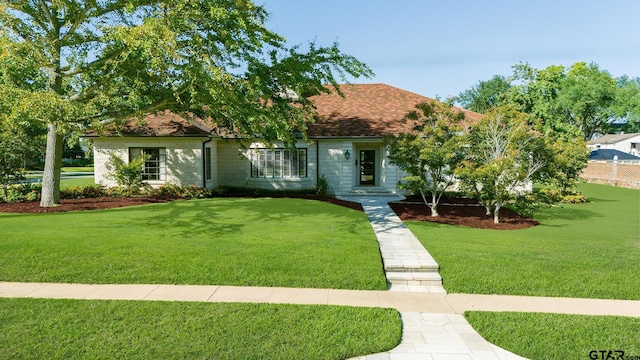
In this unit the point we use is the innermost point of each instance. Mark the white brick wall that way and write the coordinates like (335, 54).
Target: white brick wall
(231, 167)
(234, 168)
(183, 157)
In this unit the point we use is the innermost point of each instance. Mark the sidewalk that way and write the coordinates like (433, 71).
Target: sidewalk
(401, 301)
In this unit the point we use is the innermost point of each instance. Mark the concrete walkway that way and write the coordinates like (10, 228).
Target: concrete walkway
(408, 266)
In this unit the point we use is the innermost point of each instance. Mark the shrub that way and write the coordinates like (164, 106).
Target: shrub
(82, 192)
(322, 187)
(530, 203)
(574, 199)
(21, 192)
(178, 191)
(126, 174)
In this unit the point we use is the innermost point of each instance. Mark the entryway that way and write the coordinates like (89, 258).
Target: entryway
(367, 168)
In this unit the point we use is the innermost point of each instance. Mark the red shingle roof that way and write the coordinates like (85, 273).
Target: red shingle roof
(162, 124)
(367, 110)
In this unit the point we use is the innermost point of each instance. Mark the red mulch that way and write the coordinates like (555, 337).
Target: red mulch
(464, 213)
(81, 204)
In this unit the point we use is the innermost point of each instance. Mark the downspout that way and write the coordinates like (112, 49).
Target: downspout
(204, 163)
(317, 161)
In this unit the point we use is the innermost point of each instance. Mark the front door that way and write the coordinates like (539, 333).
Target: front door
(367, 167)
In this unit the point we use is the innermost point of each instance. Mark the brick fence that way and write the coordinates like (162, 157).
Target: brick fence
(616, 174)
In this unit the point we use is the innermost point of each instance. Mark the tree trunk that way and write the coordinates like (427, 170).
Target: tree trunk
(496, 219)
(52, 165)
(434, 205)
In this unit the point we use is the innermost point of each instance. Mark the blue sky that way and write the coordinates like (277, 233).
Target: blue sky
(440, 48)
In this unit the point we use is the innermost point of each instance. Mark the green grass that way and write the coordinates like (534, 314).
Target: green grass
(77, 169)
(84, 181)
(555, 336)
(248, 242)
(81, 329)
(583, 250)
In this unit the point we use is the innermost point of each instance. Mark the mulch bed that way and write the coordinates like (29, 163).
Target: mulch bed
(462, 212)
(454, 211)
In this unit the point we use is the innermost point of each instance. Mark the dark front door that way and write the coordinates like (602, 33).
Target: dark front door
(367, 167)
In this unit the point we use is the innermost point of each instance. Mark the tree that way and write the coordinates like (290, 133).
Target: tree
(579, 97)
(627, 105)
(96, 62)
(566, 160)
(430, 151)
(485, 95)
(504, 156)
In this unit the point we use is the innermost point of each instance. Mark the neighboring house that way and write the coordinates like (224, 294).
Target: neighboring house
(628, 143)
(346, 147)
(610, 155)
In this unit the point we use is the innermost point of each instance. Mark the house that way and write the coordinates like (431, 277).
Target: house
(609, 155)
(628, 143)
(346, 147)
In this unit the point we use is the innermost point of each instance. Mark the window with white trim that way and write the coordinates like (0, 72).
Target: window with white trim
(155, 166)
(278, 163)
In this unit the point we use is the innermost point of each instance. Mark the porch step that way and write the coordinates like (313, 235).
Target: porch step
(416, 266)
(372, 192)
(414, 278)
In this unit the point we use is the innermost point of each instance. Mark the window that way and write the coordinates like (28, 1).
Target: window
(154, 167)
(278, 163)
(207, 163)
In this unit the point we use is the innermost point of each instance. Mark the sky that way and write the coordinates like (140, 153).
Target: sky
(440, 48)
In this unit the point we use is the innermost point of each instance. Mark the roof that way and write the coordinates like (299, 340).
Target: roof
(608, 154)
(366, 110)
(612, 138)
(159, 125)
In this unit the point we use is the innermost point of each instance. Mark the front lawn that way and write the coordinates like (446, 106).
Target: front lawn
(583, 250)
(248, 242)
(81, 329)
(556, 336)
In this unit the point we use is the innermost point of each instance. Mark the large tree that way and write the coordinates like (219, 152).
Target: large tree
(429, 151)
(96, 62)
(485, 95)
(505, 155)
(562, 98)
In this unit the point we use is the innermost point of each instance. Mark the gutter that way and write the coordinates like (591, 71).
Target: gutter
(204, 163)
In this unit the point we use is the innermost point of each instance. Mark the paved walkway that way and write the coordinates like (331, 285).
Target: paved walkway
(408, 266)
(433, 325)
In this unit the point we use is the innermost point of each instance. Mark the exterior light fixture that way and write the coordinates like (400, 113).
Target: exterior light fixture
(347, 155)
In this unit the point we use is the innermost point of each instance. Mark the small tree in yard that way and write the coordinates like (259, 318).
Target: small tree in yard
(126, 174)
(430, 151)
(504, 155)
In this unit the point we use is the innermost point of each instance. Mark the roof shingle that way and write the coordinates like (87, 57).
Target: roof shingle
(367, 110)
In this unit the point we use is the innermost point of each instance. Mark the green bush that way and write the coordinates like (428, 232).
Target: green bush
(322, 187)
(574, 199)
(83, 192)
(178, 191)
(231, 191)
(529, 204)
(126, 174)
(21, 192)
